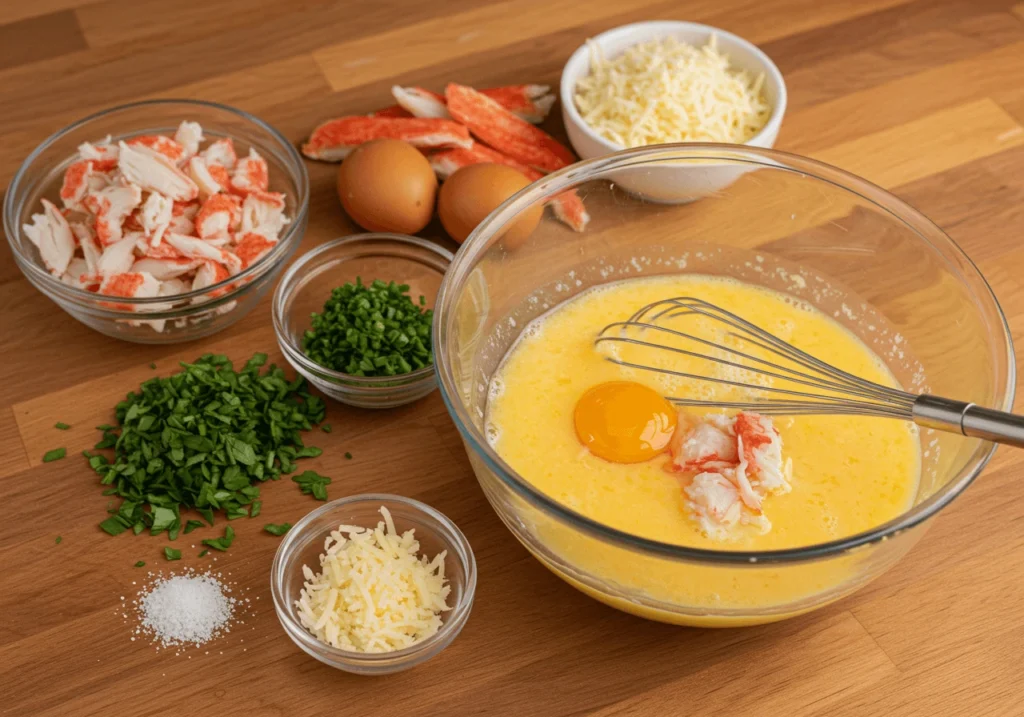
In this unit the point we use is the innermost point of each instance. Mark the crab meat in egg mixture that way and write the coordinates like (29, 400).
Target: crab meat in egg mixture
(603, 440)
(156, 216)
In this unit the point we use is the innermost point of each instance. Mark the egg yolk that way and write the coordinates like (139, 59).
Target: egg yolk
(624, 422)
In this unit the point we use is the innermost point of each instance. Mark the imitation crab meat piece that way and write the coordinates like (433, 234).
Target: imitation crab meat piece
(530, 102)
(79, 276)
(155, 216)
(118, 257)
(251, 174)
(153, 172)
(714, 502)
(419, 102)
(760, 449)
(221, 152)
(567, 206)
(200, 173)
(51, 234)
(210, 273)
(263, 213)
(333, 140)
(253, 247)
(189, 136)
(111, 207)
(701, 446)
(164, 269)
(182, 217)
(134, 285)
(103, 154)
(196, 248)
(91, 249)
(501, 129)
(219, 216)
(392, 111)
(159, 144)
(77, 184)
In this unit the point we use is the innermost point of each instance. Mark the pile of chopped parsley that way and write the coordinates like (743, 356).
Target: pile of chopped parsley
(203, 438)
(373, 330)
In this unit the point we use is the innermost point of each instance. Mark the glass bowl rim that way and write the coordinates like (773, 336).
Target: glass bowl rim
(280, 251)
(287, 286)
(456, 617)
(649, 156)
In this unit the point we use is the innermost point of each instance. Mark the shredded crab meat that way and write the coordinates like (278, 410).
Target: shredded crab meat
(156, 216)
(730, 466)
(51, 234)
(250, 174)
(219, 216)
(189, 136)
(263, 213)
(221, 153)
(154, 172)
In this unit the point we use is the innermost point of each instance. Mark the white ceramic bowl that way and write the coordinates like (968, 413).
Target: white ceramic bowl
(671, 184)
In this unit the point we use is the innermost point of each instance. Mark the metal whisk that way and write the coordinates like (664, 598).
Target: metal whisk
(800, 383)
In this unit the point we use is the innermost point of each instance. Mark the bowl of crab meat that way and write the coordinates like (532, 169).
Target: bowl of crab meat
(160, 221)
(630, 449)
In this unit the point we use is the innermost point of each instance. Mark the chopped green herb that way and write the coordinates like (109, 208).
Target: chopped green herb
(203, 438)
(373, 330)
(203, 553)
(172, 554)
(348, 455)
(152, 365)
(326, 428)
(192, 525)
(224, 543)
(61, 426)
(58, 540)
(55, 455)
(277, 529)
(140, 564)
(312, 483)
(257, 506)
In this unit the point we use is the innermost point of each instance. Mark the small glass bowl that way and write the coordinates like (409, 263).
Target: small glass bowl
(304, 543)
(308, 284)
(171, 319)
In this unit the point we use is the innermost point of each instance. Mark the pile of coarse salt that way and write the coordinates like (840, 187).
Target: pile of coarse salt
(188, 608)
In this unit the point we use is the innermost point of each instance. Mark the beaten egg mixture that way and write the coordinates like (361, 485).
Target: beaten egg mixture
(848, 473)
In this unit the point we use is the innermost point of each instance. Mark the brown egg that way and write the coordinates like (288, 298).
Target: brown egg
(475, 191)
(387, 186)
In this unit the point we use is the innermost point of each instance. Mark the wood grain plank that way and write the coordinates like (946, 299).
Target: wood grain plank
(12, 12)
(39, 38)
(940, 141)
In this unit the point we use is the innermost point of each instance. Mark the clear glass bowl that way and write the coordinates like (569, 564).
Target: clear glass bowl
(308, 284)
(186, 316)
(787, 223)
(304, 544)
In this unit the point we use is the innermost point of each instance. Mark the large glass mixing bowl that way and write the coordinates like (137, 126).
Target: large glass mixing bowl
(781, 221)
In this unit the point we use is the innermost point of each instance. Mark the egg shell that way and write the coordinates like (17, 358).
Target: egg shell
(473, 192)
(387, 186)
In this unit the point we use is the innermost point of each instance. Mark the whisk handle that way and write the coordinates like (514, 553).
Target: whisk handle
(969, 419)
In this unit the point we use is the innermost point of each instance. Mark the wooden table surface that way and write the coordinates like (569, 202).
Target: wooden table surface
(925, 97)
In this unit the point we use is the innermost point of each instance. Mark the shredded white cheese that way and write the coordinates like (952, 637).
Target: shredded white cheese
(667, 91)
(374, 592)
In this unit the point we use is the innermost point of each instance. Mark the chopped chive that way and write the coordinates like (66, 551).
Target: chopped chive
(172, 554)
(140, 564)
(58, 540)
(152, 365)
(277, 529)
(326, 428)
(61, 426)
(55, 455)
(348, 455)
(203, 553)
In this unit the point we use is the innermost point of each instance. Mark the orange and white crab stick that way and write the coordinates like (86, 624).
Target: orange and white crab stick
(530, 102)
(499, 127)
(567, 206)
(334, 139)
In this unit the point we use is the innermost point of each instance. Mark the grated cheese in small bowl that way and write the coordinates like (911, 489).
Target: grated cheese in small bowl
(373, 584)
(374, 591)
(665, 90)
